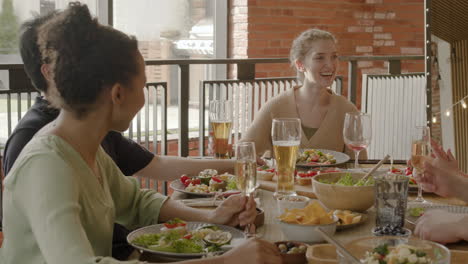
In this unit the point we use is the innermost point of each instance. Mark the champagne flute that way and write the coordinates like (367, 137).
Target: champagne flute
(286, 137)
(246, 172)
(420, 152)
(357, 133)
(221, 123)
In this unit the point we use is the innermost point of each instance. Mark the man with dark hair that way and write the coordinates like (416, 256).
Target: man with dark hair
(130, 157)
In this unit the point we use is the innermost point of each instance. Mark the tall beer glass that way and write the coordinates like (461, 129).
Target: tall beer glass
(221, 123)
(286, 137)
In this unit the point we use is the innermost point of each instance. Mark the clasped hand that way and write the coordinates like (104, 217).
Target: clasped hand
(235, 210)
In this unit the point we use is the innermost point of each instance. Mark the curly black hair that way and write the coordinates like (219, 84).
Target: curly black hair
(85, 57)
(29, 50)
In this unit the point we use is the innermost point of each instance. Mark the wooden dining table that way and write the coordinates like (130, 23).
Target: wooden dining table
(271, 230)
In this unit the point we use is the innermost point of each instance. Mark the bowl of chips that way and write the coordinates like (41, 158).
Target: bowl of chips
(344, 191)
(300, 224)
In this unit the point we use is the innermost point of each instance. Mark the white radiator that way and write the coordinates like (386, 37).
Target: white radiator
(397, 104)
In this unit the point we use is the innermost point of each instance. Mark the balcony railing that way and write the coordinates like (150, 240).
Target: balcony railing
(245, 74)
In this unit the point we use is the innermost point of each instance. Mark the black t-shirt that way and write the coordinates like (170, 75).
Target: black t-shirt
(129, 156)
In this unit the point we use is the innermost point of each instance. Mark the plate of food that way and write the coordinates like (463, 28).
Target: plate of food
(348, 219)
(180, 239)
(265, 173)
(396, 250)
(320, 158)
(408, 171)
(415, 211)
(207, 183)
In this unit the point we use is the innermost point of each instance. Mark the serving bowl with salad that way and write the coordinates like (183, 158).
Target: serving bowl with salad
(177, 238)
(396, 250)
(344, 190)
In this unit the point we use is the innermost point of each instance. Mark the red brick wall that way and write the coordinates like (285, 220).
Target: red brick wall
(266, 28)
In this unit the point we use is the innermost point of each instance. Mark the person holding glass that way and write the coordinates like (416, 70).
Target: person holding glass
(420, 154)
(315, 58)
(443, 176)
(64, 193)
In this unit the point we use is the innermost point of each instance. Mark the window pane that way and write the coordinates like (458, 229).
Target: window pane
(13, 14)
(175, 29)
(168, 29)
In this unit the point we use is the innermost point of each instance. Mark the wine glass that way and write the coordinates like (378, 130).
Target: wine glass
(286, 137)
(221, 112)
(420, 152)
(246, 172)
(357, 133)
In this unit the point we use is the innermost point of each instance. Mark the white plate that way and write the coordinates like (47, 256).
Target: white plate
(176, 185)
(339, 157)
(237, 237)
(427, 207)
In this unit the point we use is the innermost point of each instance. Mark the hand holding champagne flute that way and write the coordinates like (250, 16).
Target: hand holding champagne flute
(286, 137)
(221, 124)
(246, 171)
(420, 152)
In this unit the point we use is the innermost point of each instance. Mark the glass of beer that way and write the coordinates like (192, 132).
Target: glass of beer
(420, 152)
(286, 137)
(221, 123)
(246, 173)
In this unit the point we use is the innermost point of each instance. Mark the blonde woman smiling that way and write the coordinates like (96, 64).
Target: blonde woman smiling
(314, 56)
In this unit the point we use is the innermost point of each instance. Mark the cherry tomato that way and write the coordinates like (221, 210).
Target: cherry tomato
(183, 178)
(216, 179)
(409, 171)
(189, 236)
(187, 182)
(168, 225)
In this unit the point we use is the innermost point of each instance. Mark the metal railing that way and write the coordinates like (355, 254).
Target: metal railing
(245, 72)
(19, 96)
(149, 128)
(247, 97)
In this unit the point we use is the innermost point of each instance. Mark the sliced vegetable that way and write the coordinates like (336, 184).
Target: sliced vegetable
(218, 238)
(176, 222)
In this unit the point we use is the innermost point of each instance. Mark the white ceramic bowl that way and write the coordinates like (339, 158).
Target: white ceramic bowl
(291, 202)
(307, 233)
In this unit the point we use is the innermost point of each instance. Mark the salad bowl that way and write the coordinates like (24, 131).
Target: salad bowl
(336, 190)
(363, 248)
